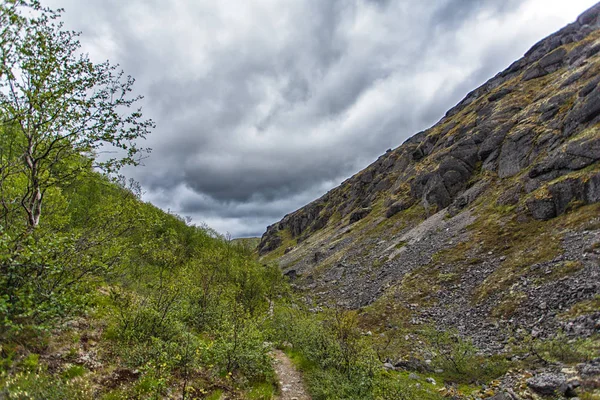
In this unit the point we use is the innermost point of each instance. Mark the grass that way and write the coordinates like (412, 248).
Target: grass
(73, 371)
(562, 270)
(216, 395)
(508, 305)
(384, 311)
(262, 391)
(582, 308)
(421, 285)
(452, 255)
(329, 384)
(286, 241)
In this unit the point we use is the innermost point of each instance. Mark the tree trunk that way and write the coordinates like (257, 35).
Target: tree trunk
(33, 204)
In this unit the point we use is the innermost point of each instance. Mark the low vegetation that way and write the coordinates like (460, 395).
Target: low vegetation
(105, 296)
(101, 294)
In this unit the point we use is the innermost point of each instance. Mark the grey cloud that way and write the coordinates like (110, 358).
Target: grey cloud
(263, 106)
(454, 13)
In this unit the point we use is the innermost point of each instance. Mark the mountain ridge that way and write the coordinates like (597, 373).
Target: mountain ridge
(502, 194)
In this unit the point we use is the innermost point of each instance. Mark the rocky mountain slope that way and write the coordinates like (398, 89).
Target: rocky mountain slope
(488, 222)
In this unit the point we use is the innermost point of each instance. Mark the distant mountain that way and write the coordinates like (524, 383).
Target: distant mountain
(489, 219)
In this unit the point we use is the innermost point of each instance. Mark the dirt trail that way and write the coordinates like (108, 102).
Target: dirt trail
(290, 379)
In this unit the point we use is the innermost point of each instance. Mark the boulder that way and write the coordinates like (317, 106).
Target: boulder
(556, 57)
(536, 71)
(589, 88)
(514, 154)
(467, 152)
(586, 110)
(455, 174)
(541, 209)
(388, 366)
(590, 16)
(592, 189)
(467, 197)
(564, 192)
(397, 207)
(573, 156)
(412, 364)
(551, 107)
(359, 214)
(548, 383)
(366, 177)
(561, 194)
(499, 94)
(591, 108)
(433, 191)
(269, 242)
(291, 274)
(493, 140)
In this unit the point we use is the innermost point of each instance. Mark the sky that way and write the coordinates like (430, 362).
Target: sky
(262, 106)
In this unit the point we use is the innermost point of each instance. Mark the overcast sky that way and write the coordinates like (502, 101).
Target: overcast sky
(264, 105)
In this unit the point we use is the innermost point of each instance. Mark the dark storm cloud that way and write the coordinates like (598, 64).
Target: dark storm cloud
(263, 106)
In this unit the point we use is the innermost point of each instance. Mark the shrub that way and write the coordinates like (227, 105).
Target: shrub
(562, 349)
(239, 347)
(460, 359)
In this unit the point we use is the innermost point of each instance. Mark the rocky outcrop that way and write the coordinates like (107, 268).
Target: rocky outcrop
(560, 195)
(508, 127)
(489, 218)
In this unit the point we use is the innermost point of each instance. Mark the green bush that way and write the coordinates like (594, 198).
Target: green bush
(31, 363)
(560, 348)
(394, 386)
(460, 359)
(239, 347)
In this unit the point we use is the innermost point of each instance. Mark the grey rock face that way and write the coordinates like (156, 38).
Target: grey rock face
(573, 156)
(358, 215)
(589, 17)
(269, 242)
(467, 197)
(397, 207)
(514, 155)
(534, 72)
(542, 209)
(497, 141)
(493, 141)
(513, 150)
(586, 110)
(556, 57)
(499, 94)
(562, 193)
